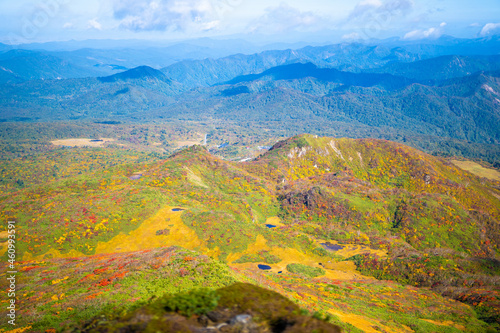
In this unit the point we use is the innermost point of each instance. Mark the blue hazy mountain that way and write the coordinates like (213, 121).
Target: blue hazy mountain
(443, 67)
(352, 57)
(359, 88)
(22, 65)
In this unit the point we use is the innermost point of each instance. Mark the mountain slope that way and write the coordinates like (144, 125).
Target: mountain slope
(441, 68)
(309, 210)
(301, 71)
(32, 65)
(124, 94)
(141, 72)
(451, 115)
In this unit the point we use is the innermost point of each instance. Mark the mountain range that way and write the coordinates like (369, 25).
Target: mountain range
(186, 187)
(300, 95)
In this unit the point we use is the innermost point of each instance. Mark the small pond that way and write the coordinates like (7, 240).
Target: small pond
(333, 247)
(135, 177)
(270, 226)
(177, 209)
(264, 267)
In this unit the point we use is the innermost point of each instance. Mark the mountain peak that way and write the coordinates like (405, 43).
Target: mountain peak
(137, 73)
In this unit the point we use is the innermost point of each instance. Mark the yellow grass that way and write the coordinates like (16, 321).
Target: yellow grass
(275, 220)
(336, 271)
(145, 236)
(477, 169)
(4, 245)
(194, 178)
(448, 323)
(188, 142)
(17, 330)
(350, 250)
(52, 253)
(81, 142)
(366, 324)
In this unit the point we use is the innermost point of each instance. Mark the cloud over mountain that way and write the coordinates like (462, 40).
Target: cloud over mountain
(285, 18)
(433, 32)
(490, 28)
(367, 8)
(162, 15)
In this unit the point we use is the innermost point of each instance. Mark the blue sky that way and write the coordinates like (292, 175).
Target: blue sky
(27, 21)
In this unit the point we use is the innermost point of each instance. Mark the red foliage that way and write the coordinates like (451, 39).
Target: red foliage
(183, 272)
(107, 281)
(86, 277)
(26, 269)
(98, 271)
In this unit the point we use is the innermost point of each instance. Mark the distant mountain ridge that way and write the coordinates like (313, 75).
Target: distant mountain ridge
(440, 68)
(389, 89)
(25, 65)
(200, 64)
(353, 57)
(299, 71)
(141, 72)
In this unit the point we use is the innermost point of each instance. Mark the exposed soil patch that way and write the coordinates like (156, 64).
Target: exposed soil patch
(82, 142)
(477, 169)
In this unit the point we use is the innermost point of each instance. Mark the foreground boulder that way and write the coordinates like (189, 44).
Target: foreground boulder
(240, 308)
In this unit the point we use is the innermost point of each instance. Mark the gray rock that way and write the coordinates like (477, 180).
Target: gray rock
(241, 319)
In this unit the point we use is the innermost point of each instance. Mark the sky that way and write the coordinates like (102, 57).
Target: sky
(259, 21)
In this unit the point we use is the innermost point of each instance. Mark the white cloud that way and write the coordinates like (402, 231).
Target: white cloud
(351, 36)
(93, 24)
(490, 28)
(369, 8)
(365, 6)
(434, 32)
(285, 18)
(163, 15)
(68, 25)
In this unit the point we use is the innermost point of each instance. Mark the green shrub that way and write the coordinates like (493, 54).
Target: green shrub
(198, 301)
(308, 271)
(263, 256)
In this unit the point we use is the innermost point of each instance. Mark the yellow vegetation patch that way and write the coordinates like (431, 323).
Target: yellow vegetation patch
(365, 324)
(188, 143)
(275, 220)
(336, 271)
(194, 178)
(448, 323)
(477, 169)
(4, 245)
(17, 330)
(81, 142)
(352, 250)
(145, 236)
(52, 253)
